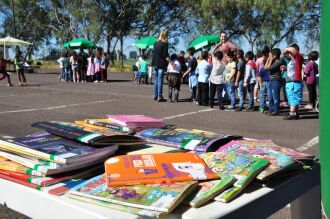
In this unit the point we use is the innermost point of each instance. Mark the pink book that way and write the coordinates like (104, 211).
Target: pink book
(136, 121)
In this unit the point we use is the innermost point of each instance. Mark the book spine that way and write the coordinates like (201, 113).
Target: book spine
(27, 184)
(12, 146)
(20, 176)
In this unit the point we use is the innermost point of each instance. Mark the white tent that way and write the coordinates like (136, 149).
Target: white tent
(11, 41)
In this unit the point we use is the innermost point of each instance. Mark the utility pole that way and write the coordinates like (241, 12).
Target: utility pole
(14, 20)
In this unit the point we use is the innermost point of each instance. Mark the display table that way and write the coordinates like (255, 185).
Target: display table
(302, 191)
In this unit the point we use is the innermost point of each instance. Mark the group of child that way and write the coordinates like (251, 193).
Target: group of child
(237, 72)
(84, 68)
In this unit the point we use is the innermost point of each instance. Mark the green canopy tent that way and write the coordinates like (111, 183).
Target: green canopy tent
(79, 43)
(204, 40)
(146, 42)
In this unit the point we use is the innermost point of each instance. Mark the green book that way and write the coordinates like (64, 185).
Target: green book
(209, 189)
(243, 168)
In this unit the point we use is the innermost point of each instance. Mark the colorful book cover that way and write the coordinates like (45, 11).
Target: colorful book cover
(53, 148)
(136, 121)
(112, 125)
(197, 140)
(242, 167)
(283, 150)
(209, 189)
(156, 168)
(9, 165)
(279, 162)
(160, 197)
(85, 134)
(118, 207)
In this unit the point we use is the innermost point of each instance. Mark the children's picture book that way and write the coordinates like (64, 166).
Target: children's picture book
(9, 165)
(209, 189)
(84, 134)
(297, 155)
(197, 140)
(118, 207)
(279, 163)
(112, 125)
(156, 168)
(136, 121)
(160, 197)
(243, 168)
(54, 148)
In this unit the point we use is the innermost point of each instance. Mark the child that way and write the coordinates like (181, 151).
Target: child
(173, 72)
(230, 79)
(91, 68)
(240, 78)
(250, 79)
(217, 77)
(294, 86)
(311, 70)
(74, 66)
(192, 81)
(275, 76)
(19, 61)
(263, 78)
(203, 72)
(98, 67)
(3, 71)
(143, 69)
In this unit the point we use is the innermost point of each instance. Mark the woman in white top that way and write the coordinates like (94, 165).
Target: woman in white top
(217, 78)
(74, 66)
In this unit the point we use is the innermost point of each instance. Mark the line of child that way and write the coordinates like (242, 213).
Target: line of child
(241, 72)
(83, 68)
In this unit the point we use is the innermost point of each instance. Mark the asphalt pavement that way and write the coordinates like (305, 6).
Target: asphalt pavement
(47, 98)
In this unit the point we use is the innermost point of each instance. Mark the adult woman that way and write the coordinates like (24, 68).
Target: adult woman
(160, 61)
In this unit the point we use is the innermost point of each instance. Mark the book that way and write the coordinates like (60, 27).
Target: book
(279, 163)
(156, 168)
(48, 170)
(136, 121)
(84, 134)
(197, 140)
(209, 189)
(111, 125)
(297, 155)
(118, 207)
(48, 181)
(54, 148)
(120, 137)
(148, 148)
(9, 165)
(24, 183)
(243, 168)
(158, 197)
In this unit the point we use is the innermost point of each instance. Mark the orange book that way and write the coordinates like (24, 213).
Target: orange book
(156, 168)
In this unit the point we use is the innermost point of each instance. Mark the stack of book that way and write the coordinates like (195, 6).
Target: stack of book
(140, 165)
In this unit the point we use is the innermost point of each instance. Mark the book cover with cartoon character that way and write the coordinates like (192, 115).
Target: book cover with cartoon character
(242, 167)
(160, 197)
(279, 163)
(156, 168)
